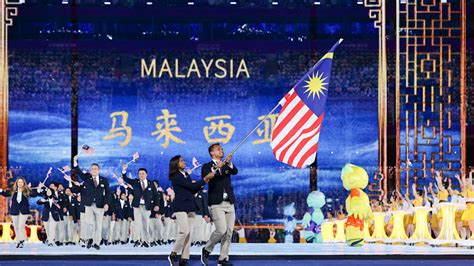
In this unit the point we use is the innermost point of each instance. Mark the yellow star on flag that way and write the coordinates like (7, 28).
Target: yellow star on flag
(316, 85)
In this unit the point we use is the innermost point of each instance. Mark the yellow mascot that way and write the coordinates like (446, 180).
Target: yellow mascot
(354, 179)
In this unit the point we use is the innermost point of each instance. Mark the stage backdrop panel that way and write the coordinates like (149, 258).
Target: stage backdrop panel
(121, 112)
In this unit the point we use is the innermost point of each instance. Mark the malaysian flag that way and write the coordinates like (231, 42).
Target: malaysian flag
(196, 164)
(86, 149)
(296, 133)
(65, 169)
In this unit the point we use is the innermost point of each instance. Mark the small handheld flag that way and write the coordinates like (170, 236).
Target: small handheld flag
(61, 170)
(170, 192)
(64, 169)
(135, 158)
(86, 149)
(196, 165)
(50, 171)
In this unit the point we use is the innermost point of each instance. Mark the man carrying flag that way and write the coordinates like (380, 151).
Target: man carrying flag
(296, 133)
(294, 142)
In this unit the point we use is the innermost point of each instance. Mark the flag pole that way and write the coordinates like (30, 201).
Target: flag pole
(253, 130)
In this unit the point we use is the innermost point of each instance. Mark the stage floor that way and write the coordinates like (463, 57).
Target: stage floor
(240, 251)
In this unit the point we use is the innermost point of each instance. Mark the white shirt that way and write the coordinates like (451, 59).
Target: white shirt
(145, 184)
(18, 196)
(215, 163)
(70, 201)
(122, 203)
(96, 179)
(224, 195)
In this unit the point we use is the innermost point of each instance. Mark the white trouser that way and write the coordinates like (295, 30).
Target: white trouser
(199, 227)
(106, 227)
(142, 223)
(152, 229)
(157, 229)
(209, 228)
(121, 230)
(19, 222)
(174, 229)
(94, 218)
(50, 227)
(223, 215)
(82, 226)
(167, 228)
(185, 220)
(61, 231)
(135, 230)
(71, 229)
(112, 230)
(130, 230)
(116, 231)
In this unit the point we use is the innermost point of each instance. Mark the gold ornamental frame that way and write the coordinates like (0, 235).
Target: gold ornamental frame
(377, 12)
(431, 36)
(8, 9)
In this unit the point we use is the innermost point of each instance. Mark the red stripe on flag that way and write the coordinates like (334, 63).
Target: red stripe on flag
(301, 145)
(293, 131)
(308, 153)
(289, 98)
(288, 118)
(309, 129)
(313, 149)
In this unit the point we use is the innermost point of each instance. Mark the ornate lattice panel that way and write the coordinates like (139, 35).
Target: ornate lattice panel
(8, 10)
(430, 90)
(378, 183)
